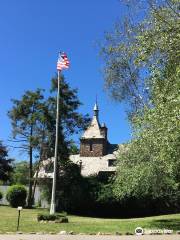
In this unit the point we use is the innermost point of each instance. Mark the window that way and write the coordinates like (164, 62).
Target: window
(112, 162)
(90, 146)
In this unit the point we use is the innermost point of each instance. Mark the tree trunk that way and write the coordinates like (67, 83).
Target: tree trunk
(29, 200)
(36, 179)
(38, 165)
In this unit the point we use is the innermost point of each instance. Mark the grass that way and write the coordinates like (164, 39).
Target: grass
(29, 223)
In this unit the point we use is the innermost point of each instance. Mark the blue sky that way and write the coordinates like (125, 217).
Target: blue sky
(32, 33)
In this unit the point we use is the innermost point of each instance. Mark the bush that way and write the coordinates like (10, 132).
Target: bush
(16, 195)
(58, 218)
(1, 196)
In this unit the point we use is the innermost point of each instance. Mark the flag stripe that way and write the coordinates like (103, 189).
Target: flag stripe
(63, 62)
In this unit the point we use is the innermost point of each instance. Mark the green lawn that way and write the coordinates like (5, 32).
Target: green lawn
(28, 223)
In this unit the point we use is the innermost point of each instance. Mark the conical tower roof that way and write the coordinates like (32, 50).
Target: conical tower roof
(94, 130)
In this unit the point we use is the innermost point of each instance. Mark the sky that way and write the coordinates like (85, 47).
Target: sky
(31, 35)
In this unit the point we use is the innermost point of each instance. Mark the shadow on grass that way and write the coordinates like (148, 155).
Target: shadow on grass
(173, 224)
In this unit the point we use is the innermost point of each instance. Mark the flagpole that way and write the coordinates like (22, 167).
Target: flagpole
(53, 198)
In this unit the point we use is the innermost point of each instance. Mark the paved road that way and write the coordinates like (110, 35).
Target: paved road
(86, 237)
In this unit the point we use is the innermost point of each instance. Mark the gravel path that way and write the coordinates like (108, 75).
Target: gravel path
(87, 237)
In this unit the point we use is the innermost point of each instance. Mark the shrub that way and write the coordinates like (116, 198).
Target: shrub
(58, 218)
(1, 196)
(16, 195)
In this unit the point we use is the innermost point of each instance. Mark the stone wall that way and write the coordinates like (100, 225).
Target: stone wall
(93, 147)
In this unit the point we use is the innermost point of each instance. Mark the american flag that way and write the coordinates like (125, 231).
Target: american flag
(63, 62)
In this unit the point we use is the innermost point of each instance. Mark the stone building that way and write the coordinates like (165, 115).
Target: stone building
(96, 155)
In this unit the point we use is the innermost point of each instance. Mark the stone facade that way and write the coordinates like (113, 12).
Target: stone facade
(93, 147)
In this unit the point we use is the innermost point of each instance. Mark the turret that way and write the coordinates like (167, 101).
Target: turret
(94, 139)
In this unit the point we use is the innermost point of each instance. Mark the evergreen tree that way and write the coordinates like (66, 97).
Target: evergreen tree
(71, 122)
(6, 167)
(34, 125)
(27, 116)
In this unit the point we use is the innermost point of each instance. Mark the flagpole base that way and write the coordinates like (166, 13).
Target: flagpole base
(52, 208)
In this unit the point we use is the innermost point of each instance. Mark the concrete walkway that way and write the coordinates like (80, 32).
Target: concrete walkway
(87, 237)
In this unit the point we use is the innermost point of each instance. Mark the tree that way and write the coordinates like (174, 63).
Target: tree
(6, 167)
(71, 122)
(21, 172)
(136, 47)
(26, 115)
(34, 125)
(149, 167)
